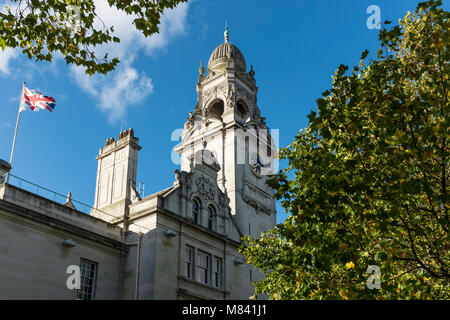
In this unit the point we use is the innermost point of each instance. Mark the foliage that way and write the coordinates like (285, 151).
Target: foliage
(367, 181)
(43, 27)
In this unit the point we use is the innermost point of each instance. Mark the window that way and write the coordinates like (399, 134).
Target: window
(218, 272)
(203, 267)
(188, 260)
(269, 145)
(211, 218)
(242, 111)
(196, 211)
(216, 109)
(88, 278)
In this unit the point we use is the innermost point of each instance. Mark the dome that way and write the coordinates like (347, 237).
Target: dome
(219, 57)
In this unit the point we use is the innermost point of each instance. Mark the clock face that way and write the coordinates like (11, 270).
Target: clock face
(256, 166)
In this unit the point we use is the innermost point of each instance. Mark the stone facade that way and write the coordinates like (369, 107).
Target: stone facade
(179, 243)
(33, 261)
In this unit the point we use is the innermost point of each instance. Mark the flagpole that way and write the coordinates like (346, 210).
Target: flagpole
(15, 135)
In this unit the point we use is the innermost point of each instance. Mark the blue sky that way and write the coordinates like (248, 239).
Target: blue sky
(294, 47)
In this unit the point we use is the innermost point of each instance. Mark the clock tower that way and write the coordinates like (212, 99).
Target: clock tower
(228, 122)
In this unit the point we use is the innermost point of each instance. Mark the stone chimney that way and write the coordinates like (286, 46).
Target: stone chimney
(116, 176)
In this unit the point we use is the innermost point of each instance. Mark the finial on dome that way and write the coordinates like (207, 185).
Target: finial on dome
(251, 72)
(226, 34)
(201, 70)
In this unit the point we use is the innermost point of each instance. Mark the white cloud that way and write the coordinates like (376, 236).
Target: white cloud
(5, 59)
(9, 53)
(173, 23)
(125, 85)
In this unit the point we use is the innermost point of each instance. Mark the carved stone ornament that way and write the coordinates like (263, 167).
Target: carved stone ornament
(189, 121)
(185, 177)
(257, 199)
(213, 93)
(182, 177)
(223, 200)
(231, 97)
(205, 188)
(207, 95)
(134, 195)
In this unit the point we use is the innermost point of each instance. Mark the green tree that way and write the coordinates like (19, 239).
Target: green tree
(42, 27)
(367, 180)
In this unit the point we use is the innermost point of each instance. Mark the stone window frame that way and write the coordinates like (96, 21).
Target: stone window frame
(218, 272)
(243, 110)
(89, 272)
(213, 274)
(213, 106)
(203, 270)
(189, 262)
(212, 218)
(197, 215)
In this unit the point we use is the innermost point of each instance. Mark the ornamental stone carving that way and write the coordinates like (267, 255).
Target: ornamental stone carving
(189, 121)
(223, 200)
(231, 97)
(205, 188)
(207, 95)
(134, 195)
(182, 177)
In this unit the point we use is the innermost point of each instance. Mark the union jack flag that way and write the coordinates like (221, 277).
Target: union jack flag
(36, 101)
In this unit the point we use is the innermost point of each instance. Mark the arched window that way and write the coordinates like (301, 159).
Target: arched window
(196, 210)
(216, 109)
(242, 111)
(211, 218)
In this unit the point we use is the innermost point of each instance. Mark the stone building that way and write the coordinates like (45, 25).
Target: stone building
(179, 243)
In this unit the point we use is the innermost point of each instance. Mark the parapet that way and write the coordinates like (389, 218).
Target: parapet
(125, 136)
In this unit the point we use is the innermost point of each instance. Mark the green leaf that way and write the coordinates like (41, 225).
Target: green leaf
(364, 185)
(364, 54)
(42, 28)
